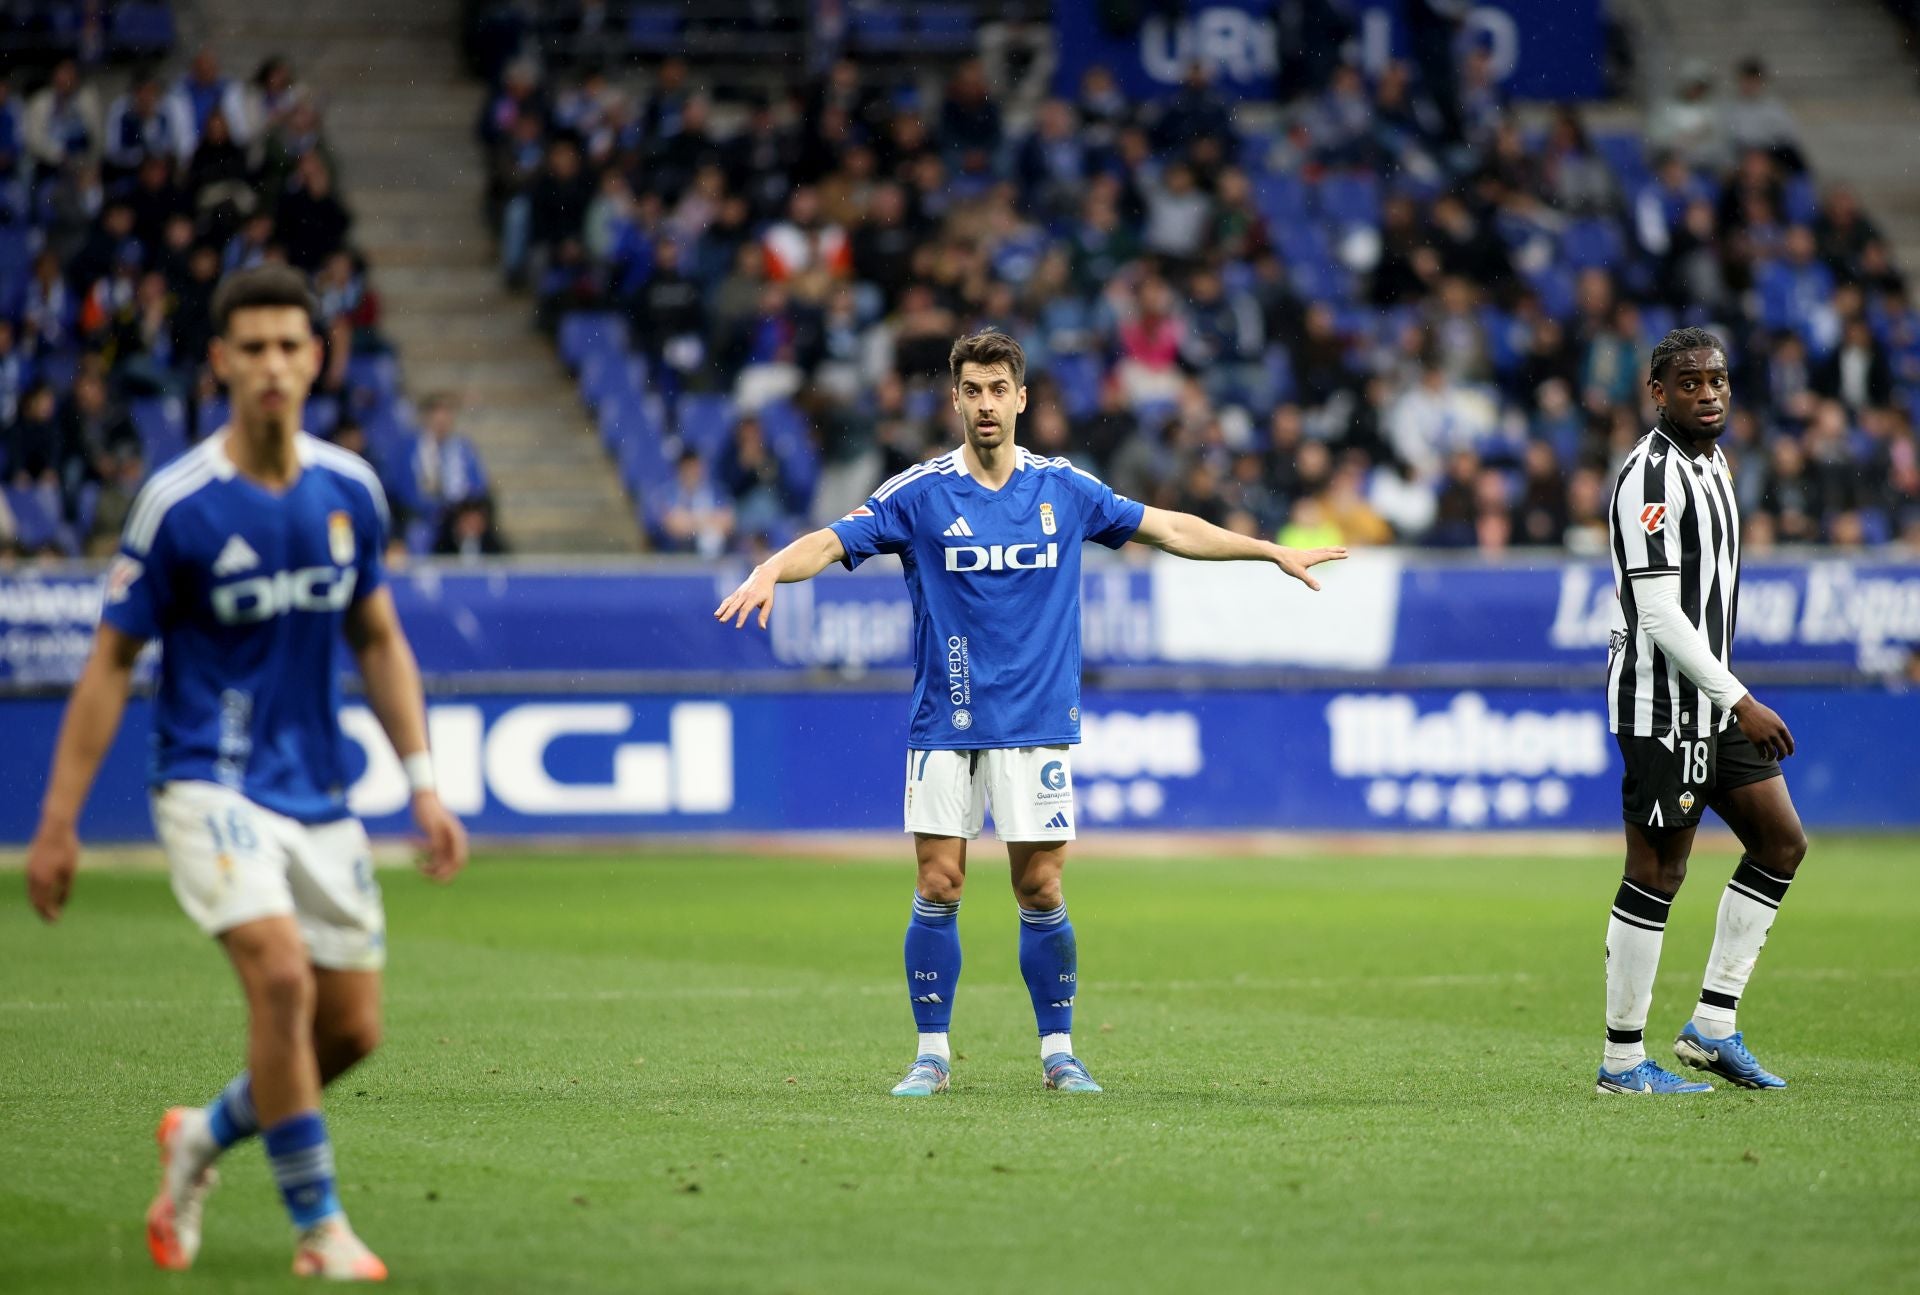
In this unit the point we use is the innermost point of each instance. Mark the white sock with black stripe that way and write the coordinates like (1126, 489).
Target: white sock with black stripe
(1747, 907)
(1635, 930)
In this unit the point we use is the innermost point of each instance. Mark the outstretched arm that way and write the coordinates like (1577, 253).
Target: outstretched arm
(93, 716)
(392, 677)
(1187, 536)
(803, 559)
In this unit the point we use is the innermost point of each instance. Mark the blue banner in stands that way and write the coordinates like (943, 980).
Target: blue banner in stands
(1541, 49)
(1315, 759)
(1476, 621)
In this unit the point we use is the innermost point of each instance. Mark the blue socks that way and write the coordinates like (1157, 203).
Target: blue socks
(302, 1161)
(230, 1116)
(933, 963)
(1050, 963)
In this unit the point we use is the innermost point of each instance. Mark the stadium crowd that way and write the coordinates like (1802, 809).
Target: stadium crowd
(118, 215)
(1398, 315)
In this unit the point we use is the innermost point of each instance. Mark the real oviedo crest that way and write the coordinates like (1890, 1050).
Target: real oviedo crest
(1046, 519)
(340, 538)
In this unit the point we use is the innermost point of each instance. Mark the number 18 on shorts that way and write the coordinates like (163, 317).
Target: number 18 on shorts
(1030, 790)
(1670, 779)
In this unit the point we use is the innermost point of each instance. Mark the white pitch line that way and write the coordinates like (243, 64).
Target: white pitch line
(1276, 985)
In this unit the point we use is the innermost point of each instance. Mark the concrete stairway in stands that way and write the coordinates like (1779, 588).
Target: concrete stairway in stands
(1842, 68)
(400, 112)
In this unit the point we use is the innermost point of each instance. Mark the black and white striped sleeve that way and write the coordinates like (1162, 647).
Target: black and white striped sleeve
(1647, 518)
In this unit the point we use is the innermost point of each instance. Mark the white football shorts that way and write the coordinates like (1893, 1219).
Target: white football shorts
(234, 861)
(1030, 789)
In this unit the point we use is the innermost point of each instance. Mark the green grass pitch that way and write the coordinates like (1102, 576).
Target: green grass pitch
(669, 1073)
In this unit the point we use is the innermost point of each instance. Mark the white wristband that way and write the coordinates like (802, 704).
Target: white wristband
(419, 767)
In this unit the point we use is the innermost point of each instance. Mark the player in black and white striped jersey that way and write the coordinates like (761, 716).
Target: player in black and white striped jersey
(1691, 734)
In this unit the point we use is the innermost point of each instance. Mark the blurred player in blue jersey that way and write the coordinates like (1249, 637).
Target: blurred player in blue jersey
(248, 558)
(989, 538)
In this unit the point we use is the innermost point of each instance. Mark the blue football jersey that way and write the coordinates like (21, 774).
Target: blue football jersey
(247, 590)
(995, 580)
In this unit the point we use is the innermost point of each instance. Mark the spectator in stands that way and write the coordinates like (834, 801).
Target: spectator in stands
(805, 250)
(1842, 231)
(1434, 419)
(63, 122)
(697, 518)
(445, 468)
(969, 117)
(1857, 373)
(156, 199)
(1053, 161)
(1687, 121)
(1151, 335)
(1756, 118)
(202, 92)
(1573, 177)
(1587, 501)
(1661, 205)
(1179, 214)
(16, 372)
(33, 445)
(1197, 113)
(98, 440)
(311, 222)
(467, 531)
(268, 102)
(219, 171)
(1792, 498)
(50, 311)
(750, 474)
(144, 122)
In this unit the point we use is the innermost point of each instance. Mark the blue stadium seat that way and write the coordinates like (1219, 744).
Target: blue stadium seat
(605, 376)
(1079, 379)
(706, 423)
(1554, 286)
(655, 28)
(785, 426)
(162, 424)
(16, 263)
(140, 28)
(946, 28)
(37, 521)
(643, 466)
(587, 332)
(1800, 200)
(379, 374)
(801, 463)
(1589, 243)
(878, 28)
(1626, 156)
(1656, 322)
(1350, 200)
(1282, 199)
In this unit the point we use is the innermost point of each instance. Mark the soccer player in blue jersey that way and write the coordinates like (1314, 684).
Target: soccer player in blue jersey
(988, 536)
(248, 558)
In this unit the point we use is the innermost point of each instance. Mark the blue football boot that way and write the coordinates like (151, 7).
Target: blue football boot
(1727, 1058)
(928, 1076)
(1065, 1074)
(1647, 1077)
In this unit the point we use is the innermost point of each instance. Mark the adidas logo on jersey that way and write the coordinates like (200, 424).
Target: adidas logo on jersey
(959, 530)
(236, 557)
(1059, 820)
